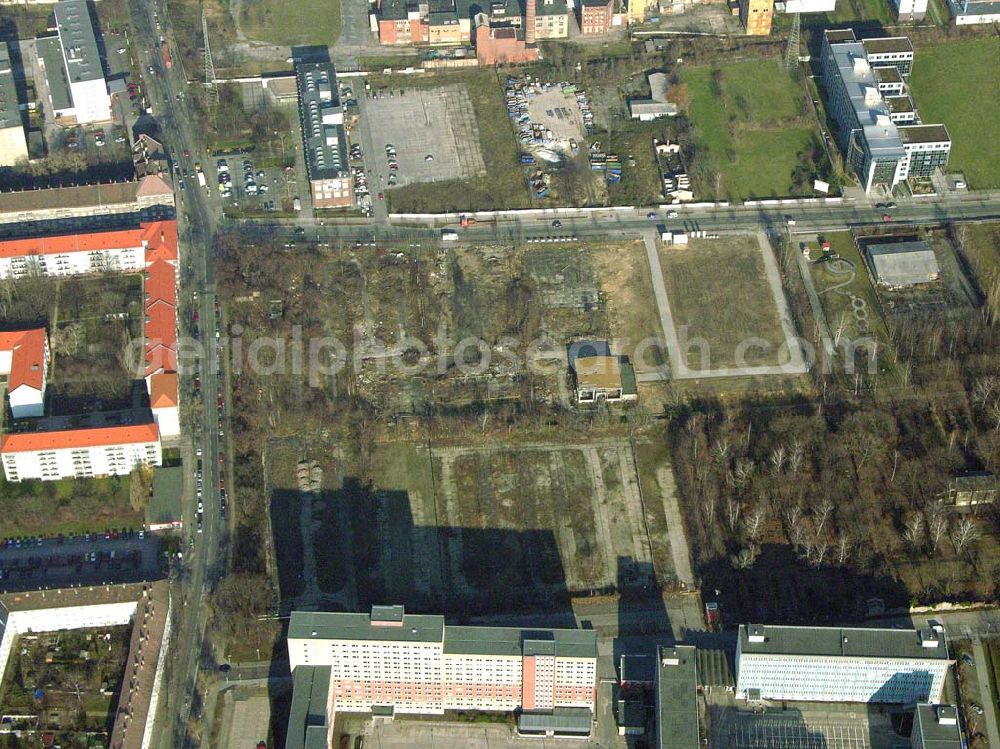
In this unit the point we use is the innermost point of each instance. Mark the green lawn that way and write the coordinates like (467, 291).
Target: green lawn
(765, 160)
(753, 133)
(760, 91)
(956, 83)
(302, 22)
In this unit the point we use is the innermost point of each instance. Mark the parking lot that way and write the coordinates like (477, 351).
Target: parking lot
(434, 133)
(26, 564)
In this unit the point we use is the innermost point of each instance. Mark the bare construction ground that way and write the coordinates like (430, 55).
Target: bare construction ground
(439, 122)
(723, 310)
(481, 527)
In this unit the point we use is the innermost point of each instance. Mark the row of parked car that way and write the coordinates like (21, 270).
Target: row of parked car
(110, 534)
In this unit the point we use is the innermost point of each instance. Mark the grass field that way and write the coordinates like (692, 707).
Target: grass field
(718, 293)
(503, 186)
(749, 127)
(305, 22)
(956, 83)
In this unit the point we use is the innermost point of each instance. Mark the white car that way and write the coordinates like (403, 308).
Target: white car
(671, 214)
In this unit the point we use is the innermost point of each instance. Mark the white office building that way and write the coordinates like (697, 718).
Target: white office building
(84, 73)
(80, 453)
(832, 664)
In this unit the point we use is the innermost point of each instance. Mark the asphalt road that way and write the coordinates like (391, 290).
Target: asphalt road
(808, 218)
(197, 221)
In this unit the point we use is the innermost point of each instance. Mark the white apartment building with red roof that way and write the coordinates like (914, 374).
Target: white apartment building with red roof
(152, 249)
(80, 453)
(24, 359)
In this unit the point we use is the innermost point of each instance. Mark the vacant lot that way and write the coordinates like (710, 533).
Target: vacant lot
(956, 83)
(306, 22)
(450, 527)
(78, 671)
(724, 312)
(598, 291)
(751, 129)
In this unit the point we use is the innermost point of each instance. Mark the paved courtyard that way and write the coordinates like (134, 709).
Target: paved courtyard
(437, 122)
(249, 713)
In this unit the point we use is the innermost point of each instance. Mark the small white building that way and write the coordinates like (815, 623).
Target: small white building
(24, 359)
(657, 106)
(910, 10)
(80, 453)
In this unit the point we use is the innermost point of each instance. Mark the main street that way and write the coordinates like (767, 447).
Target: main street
(588, 224)
(197, 220)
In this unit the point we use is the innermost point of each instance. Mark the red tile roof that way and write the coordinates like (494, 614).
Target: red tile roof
(79, 438)
(161, 241)
(160, 283)
(160, 332)
(163, 390)
(160, 238)
(27, 361)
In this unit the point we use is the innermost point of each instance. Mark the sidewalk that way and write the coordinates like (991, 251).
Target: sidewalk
(986, 696)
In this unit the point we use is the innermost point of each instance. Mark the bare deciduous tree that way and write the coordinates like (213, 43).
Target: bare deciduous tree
(743, 471)
(966, 533)
(844, 547)
(795, 456)
(821, 513)
(753, 525)
(721, 450)
(733, 510)
(746, 557)
(914, 531)
(937, 528)
(778, 457)
(818, 554)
